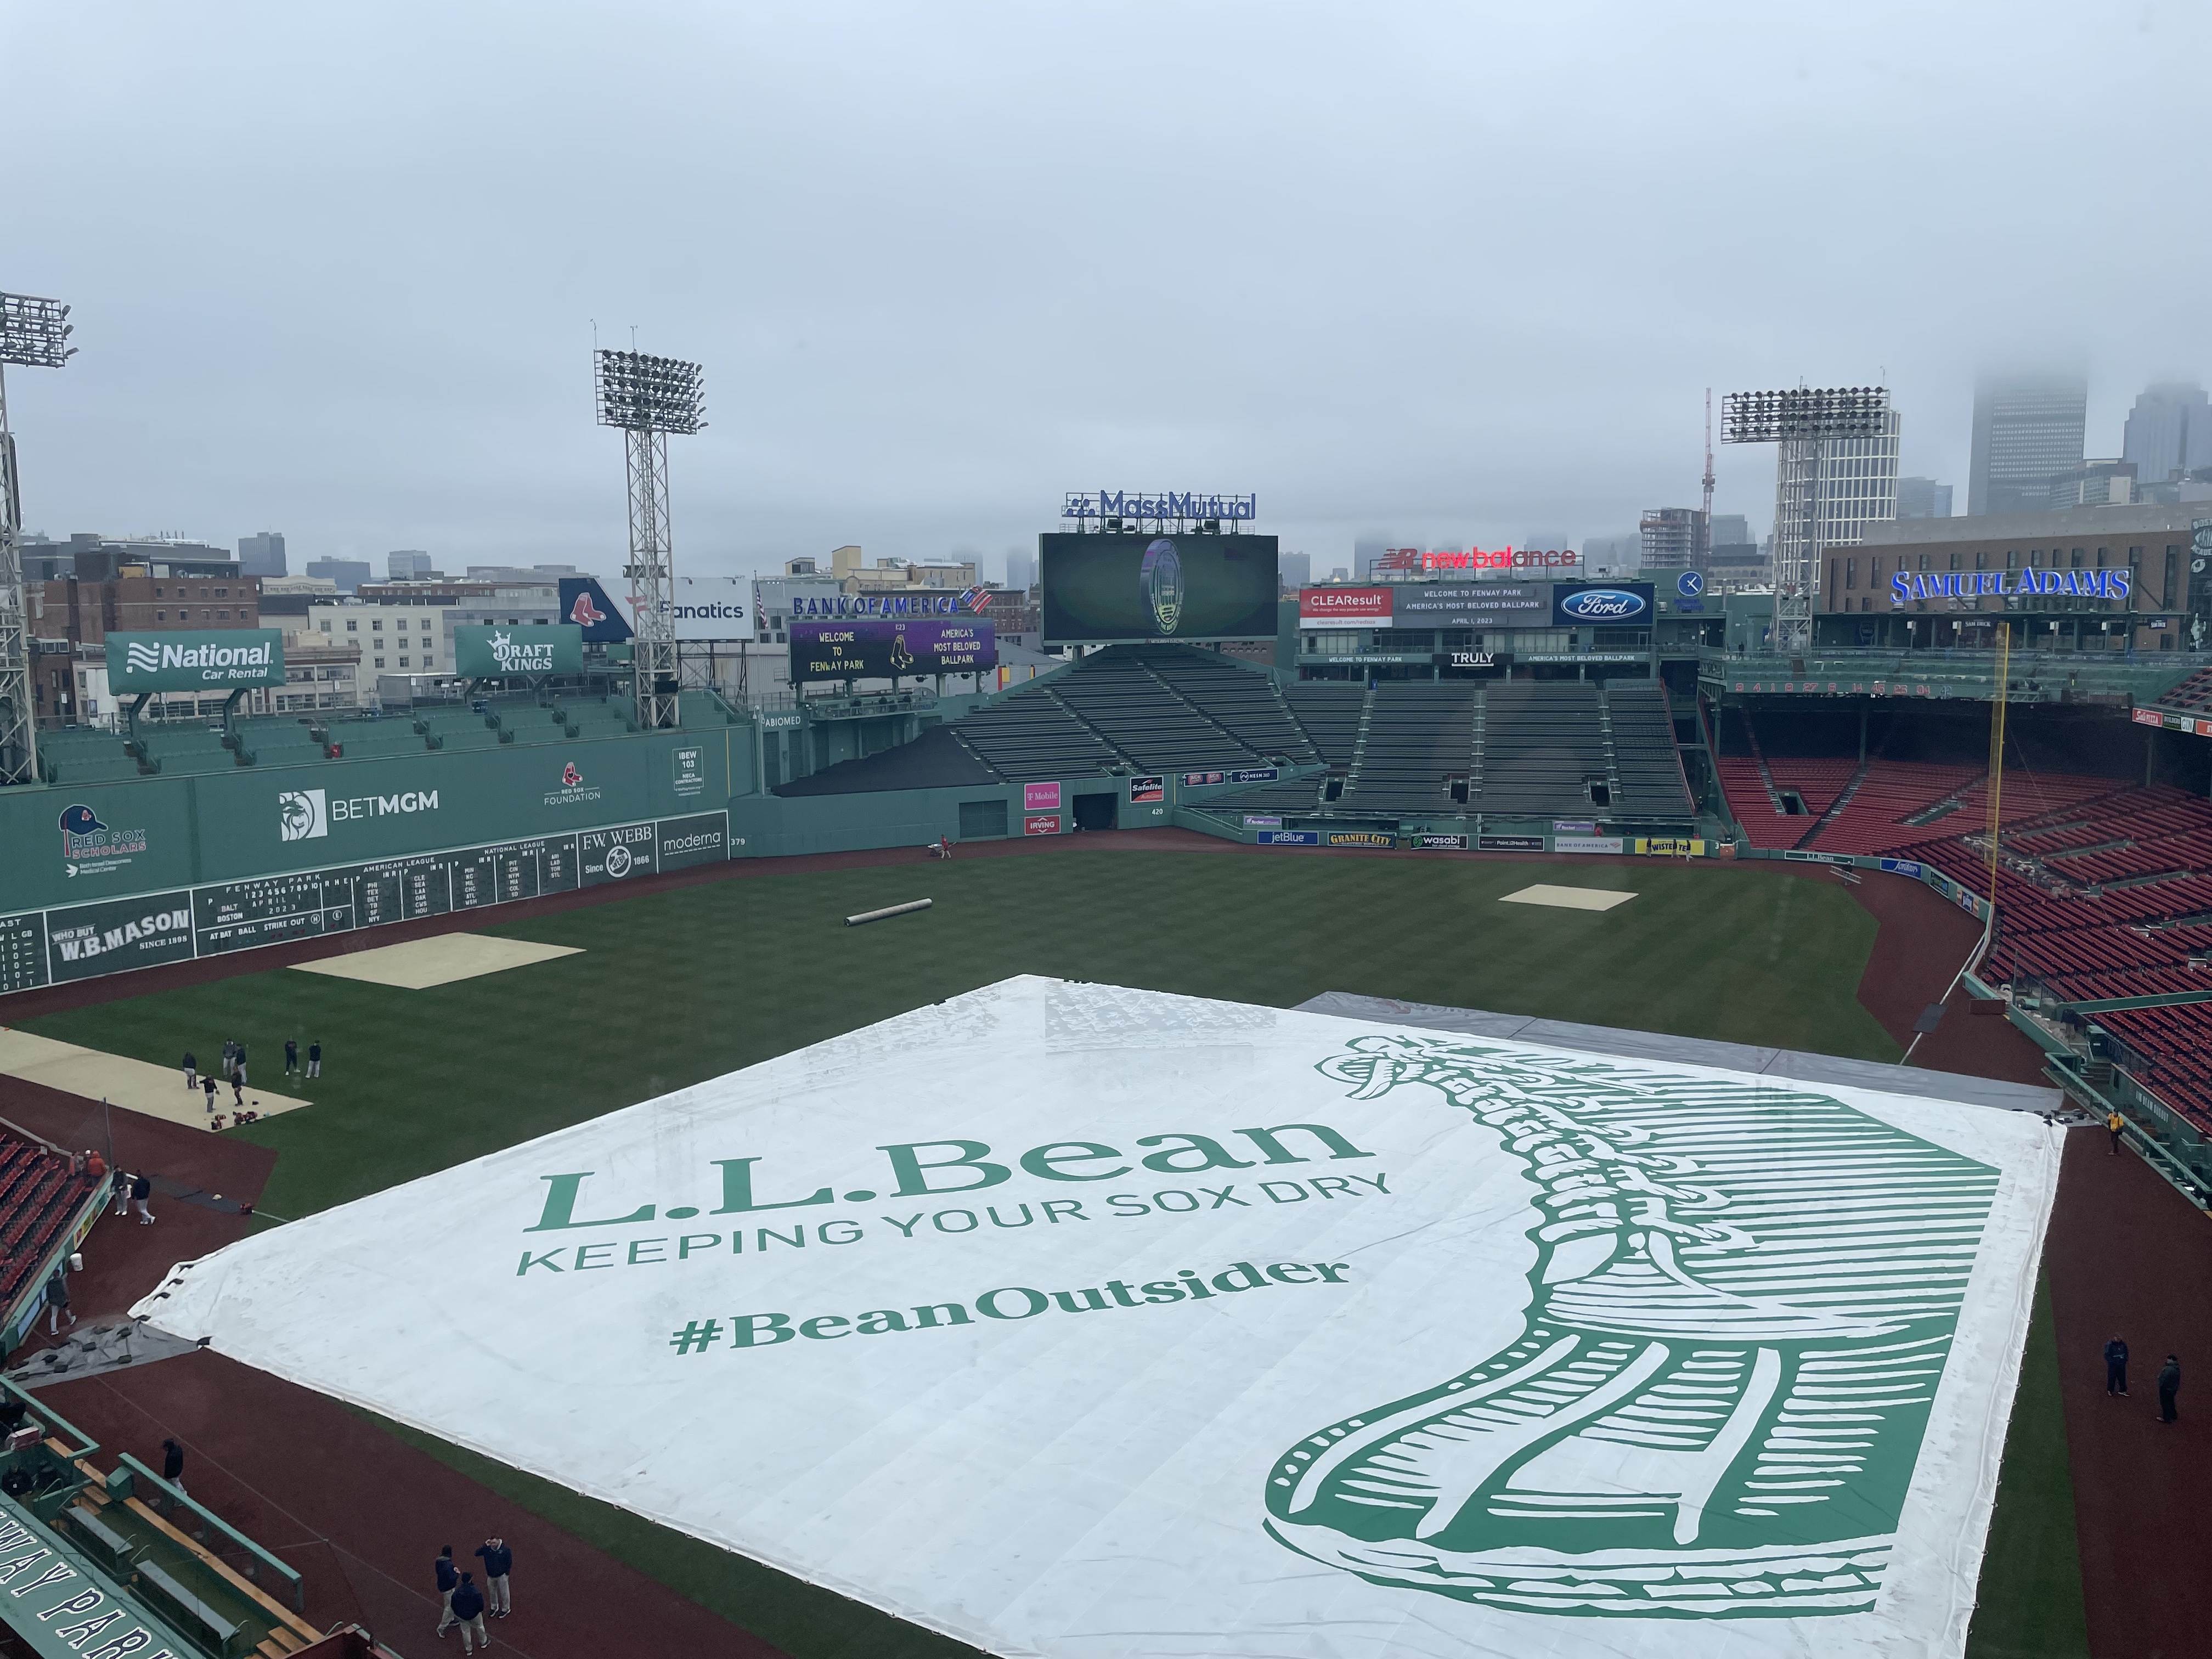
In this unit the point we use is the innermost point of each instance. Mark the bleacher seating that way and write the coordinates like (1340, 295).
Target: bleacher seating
(1329, 713)
(2105, 890)
(84, 754)
(1542, 744)
(1420, 737)
(935, 760)
(451, 726)
(1030, 736)
(2193, 693)
(1647, 766)
(1875, 819)
(1250, 707)
(40, 1194)
(366, 739)
(185, 746)
(1118, 696)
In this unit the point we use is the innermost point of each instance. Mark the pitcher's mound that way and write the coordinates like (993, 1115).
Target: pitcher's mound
(1568, 898)
(422, 963)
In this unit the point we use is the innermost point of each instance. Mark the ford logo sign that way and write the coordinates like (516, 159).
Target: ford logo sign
(1602, 604)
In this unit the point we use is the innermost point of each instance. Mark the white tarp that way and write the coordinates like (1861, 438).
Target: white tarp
(1073, 1320)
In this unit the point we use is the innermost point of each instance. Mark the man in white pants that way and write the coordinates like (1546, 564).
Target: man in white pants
(498, 1562)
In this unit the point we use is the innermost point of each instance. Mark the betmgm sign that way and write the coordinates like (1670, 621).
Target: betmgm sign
(213, 659)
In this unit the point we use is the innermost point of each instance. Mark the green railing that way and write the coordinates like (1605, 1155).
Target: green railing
(224, 1541)
(1955, 671)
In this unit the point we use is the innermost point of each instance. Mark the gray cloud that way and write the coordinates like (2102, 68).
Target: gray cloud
(1454, 272)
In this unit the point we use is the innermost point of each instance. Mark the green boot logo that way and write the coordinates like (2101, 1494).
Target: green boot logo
(1739, 1312)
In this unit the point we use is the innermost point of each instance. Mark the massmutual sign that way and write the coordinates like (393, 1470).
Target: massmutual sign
(212, 659)
(490, 652)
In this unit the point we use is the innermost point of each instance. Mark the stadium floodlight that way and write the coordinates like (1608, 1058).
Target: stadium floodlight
(34, 333)
(648, 398)
(1802, 422)
(642, 393)
(1777, 417)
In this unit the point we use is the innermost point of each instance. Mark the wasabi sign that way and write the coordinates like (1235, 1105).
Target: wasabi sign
(1192, 1329)
(209, 659)
(484, 653)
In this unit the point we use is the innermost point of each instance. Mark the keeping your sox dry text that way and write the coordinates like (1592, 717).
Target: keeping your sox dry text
(1171, 1201)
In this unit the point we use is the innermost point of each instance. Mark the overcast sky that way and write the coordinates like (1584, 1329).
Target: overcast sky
(1448, 272)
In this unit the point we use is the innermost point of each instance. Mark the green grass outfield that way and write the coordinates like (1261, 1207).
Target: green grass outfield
(676, 987)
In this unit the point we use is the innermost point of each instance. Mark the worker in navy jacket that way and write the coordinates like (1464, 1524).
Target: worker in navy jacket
(449, 1580)
(498, 1562)
(468, 1613)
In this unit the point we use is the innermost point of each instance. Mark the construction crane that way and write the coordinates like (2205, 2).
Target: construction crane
(1709, 466)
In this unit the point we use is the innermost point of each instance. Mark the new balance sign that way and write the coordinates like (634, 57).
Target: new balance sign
(214, 660)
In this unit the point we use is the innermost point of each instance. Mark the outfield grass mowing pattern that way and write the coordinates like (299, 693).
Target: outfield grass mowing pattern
(678, 987)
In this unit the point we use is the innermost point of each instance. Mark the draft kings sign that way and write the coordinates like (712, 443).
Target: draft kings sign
(1182, 1327)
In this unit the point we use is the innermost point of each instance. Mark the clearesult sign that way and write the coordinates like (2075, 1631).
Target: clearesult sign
(212, 659)
(485, 654)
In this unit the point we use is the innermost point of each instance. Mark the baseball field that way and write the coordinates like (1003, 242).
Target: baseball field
(666, 987)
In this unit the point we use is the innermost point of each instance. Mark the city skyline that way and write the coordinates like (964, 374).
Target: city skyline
(915, 344)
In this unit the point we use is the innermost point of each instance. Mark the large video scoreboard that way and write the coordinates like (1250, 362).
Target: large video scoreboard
(1106, 589)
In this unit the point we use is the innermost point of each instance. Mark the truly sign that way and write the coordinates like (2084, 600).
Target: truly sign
(210, 659)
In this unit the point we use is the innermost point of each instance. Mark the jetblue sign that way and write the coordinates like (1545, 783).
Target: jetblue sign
(1616, 605)
(1135, 504)
(2008, 584)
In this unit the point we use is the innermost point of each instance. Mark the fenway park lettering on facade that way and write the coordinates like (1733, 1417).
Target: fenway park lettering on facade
(1972, 584)
(1134, 504)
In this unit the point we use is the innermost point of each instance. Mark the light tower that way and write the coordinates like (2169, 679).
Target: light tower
(648, 398)
(34, 333)
(1803, 422)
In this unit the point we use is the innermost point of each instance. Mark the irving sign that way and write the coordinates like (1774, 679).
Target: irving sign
(490, 652)
(211, 660)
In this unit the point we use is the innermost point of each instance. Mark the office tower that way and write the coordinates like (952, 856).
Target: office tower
(2169, 431)
(262, 555)
(1735, 549)
(1021, 571)
(1367, 552)
(1923, 498)
(1294, 570)
(2094, 483)
(409, 565)
(2027, 429)
(348, 574)
(1827, 491)
(1672, 538)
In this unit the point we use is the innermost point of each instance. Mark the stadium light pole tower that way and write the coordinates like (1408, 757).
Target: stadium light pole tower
(1803, 422)
(34, 333)
(648, 398)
